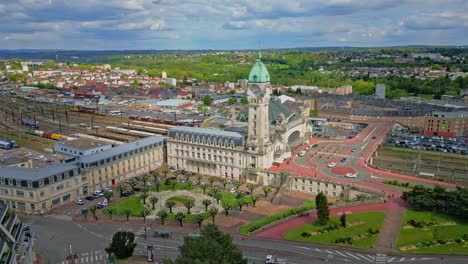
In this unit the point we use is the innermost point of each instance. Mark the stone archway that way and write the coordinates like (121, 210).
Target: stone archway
(294, 139)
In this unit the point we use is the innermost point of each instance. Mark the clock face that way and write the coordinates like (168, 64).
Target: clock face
(256, 91)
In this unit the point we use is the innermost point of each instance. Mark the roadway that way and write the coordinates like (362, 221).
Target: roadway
(56, 237)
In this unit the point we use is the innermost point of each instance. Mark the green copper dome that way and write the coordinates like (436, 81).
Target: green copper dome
(259, 73)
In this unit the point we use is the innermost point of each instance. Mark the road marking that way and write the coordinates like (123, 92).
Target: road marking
(364, 257)
(341, 253)
(352, 255)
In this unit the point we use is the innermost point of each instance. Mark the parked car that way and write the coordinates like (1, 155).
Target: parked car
(344, 159)
(80, 202)
(232, 190)
(89, 198)
(41, 157)
(331, 165)
(351, 175)
(301, 154)
(353, 150)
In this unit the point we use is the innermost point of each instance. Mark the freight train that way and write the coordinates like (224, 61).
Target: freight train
(190, 123)
(46, 134)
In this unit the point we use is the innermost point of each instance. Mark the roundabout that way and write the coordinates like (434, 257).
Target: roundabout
(342, 171)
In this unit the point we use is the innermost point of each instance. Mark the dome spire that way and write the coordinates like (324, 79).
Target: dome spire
(259, 73)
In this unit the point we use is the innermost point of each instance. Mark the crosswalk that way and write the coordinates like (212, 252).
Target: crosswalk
(349, 156)
(369, 258)
(97, 257)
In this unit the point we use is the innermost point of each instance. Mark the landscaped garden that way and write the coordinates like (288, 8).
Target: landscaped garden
(133, 203)
(430, 232)
(361, 230)
(264, 221)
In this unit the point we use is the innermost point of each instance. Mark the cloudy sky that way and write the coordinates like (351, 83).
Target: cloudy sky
(229, 24)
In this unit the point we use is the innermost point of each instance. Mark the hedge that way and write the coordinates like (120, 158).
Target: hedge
(264, 221)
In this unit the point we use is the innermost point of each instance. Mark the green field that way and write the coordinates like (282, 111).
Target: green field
(133, 203)
(261, 222)
(190, 217)
(436, 234)
(362, 222)
(178, 186)
(231, 198)
(180, 199)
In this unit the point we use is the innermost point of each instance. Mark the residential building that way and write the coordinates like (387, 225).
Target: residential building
(81, 147)
(447, 124)
(345, 89)
(319, 126)
(16, 241)
(38, 190)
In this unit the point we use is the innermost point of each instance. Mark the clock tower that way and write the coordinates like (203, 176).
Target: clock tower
(258, 95)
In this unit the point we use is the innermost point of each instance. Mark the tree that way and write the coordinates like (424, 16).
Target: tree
(153, 200)
(323, 212)
(170, 204)
(128, 212)
(155, 176)
(232, 101)
(218, 196)
(110, 211)
(122, 244)
(237, 184)
(165, 171)
(143, 197)
(144, 213)
(211, 180)
(199, 220)
(199, 178)
(244, 100)
(240, 203)
(251, 187)
(162, 215)
(204, 187)
(254, 199)
(266, 190)
(213, 211)
(206, 203)
(226, 207)
(213, 246)
(93, 209)
(189, 204)
(121, 189)
(157, 184)
(145, 179)
(223, 182)
(207, 100)
(145, 189)
(132, 184)
(343, 220)
(108, 195)
(179, 217)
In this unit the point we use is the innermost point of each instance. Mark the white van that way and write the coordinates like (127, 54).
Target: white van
(302, 153)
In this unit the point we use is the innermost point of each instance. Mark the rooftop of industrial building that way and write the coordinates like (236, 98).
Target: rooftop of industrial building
(83, 143)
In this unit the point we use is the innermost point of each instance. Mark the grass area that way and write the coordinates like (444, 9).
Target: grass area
(231, 198)
(133, 203)
(181, 199)
(189, 217)
(432, 233)
(32, 142)
(178, 186)
(359, 225)
(261, 222)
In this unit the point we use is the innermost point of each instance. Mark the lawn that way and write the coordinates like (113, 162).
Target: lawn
(189, 217)
(231, 198)
(359, 225)
(432, 233)
(181, 199)
(261, 222)
(178, 186)
(133, 203)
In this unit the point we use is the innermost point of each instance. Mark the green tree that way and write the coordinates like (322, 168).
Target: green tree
(213, 246)
(199, 220)
(122, 245)
(240, 203)
(213, 211)
(218, 196)
(157, 184)
(132, 184)
(155, 175)
(127, 213)
(153, 200)
(207, 100)
(189, 204)
(121, 189)
(170, 204)
(237, 185)
(223, 182)
(110, 211)
(108, 195)
(143, 197)
(162, 215)
(251, 187)
(232, 101)
(227, 207)
(323, 212)
(211, 180)
(254, 199)
(179, 217)
(165, 171)
(204, 187)
(93, 209)
(343, 220)
(266, 190)
(145, 179)
(206, 203)
(144, 213)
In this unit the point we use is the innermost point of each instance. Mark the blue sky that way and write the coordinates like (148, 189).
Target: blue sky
(229, 24)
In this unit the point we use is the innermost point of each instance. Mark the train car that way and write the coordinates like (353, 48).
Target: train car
(88, 110)
(57, 136)
(30, 123)
(13, 143)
